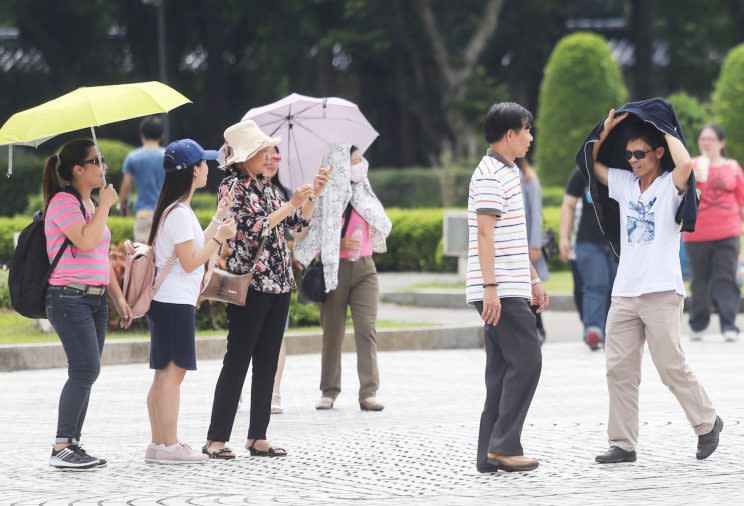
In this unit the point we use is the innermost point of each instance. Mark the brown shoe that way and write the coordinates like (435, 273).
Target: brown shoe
(370, 404)
(515, 463)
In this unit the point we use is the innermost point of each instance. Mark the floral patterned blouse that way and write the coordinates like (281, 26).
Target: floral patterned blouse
(254, 200)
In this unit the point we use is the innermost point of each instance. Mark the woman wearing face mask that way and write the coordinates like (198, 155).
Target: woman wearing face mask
(255, 329)
(349, 225)
(171, 319)
(713, 248)
(76, 298)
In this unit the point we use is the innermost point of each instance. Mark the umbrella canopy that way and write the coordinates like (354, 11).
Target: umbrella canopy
(88, 107)
(308, 127)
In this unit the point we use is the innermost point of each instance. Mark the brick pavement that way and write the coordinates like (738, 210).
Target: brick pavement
(419, 450)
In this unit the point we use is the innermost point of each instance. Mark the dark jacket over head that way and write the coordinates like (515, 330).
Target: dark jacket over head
(661, 115)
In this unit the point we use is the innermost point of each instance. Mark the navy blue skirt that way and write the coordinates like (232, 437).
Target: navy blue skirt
(172, 335)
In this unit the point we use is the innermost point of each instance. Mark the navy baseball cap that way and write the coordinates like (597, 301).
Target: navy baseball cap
(185, 153)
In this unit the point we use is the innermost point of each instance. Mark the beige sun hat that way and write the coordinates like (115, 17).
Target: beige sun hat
(242, 141)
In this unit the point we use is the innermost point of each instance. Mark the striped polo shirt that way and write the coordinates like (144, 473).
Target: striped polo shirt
(87, 267)
(495, 189)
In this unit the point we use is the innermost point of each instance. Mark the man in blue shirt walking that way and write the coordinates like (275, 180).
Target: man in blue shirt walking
(145, 166)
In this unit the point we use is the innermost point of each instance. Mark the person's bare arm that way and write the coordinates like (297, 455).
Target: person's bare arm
(191, 258)
(568, 213)
(601, 171)
(682, 162)
(486, 254)
(126, 185)
(85, 236)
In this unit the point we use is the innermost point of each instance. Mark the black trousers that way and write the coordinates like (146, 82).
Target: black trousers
(254, 331)
(713, 267)
(513, 365)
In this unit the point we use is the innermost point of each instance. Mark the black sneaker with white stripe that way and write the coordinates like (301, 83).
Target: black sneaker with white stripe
(74, 458)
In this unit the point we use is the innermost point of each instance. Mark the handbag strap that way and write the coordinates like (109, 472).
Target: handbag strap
(347, 218)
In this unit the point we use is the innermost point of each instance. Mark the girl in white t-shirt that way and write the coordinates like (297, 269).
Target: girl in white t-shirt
(172, 316)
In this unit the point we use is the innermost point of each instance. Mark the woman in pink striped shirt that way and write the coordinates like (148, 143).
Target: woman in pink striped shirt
(77, 235)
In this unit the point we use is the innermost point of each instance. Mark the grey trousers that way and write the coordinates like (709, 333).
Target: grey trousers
(357, 289)
(713, 266)
(513, 365)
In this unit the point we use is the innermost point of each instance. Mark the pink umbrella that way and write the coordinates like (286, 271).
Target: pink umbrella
(308, 127)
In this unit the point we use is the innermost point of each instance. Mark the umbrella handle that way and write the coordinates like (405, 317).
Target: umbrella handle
(98, 153)
(10, 160)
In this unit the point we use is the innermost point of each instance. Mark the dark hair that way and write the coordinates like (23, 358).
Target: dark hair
(277, 184)
(176, 186)
(717, 129)
(503, 117)
(647, 133)
(59, 166)
(276, 148)
(352, 149)
(151, 128)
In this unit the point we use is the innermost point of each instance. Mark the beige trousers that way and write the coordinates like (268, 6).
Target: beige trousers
(357, 288)
(142, 225)
(655, 318)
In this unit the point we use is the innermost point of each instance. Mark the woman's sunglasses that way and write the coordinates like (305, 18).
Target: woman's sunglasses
(94, 161)
(638, 154)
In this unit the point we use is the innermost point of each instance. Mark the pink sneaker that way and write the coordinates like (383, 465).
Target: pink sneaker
(179, 453)
(151, 452)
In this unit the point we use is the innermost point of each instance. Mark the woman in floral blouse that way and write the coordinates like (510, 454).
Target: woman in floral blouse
(255, 329)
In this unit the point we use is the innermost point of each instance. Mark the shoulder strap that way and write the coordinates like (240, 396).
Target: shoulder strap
(347, 216)
(67, 242)
(160, 278)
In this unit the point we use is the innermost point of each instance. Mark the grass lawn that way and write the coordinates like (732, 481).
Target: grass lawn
(16, 329)
(559, 282)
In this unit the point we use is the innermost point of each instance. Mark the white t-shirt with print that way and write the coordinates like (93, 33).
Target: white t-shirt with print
(649, 235)
(179, 287)
(495, 189)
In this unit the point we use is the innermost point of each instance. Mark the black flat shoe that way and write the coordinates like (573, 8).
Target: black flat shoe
(271, 452)
(615, 455)
(487, 468)
(707, 443)
(224, 453)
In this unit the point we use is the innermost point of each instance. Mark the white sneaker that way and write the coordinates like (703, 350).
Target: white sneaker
(179, 453)
(730, 336)
(151, 452)
(696, 335)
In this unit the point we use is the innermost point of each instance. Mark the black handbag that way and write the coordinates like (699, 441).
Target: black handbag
(312, 286)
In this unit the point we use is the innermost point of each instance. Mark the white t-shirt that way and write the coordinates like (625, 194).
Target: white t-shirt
(649, 235)
(179, 287)
(495, 189)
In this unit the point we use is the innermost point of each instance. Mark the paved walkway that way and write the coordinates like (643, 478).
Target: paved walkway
(419, 450)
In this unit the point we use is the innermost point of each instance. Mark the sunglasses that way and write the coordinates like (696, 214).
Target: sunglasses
(94, 161)
(638, 154)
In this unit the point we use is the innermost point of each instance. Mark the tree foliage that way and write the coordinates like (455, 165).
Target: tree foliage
(728, 101)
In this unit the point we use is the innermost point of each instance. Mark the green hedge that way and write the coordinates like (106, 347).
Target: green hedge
(25, 181)
(692, 116)
(728, 101)
(582, 82)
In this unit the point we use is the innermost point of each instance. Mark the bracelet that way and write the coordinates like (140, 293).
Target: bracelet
(535, 281)
(218, 242)
(217, 221)
(486, 285)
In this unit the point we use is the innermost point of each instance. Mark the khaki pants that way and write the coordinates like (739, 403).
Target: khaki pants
(357, 288)
(142, 225)
(656, 318)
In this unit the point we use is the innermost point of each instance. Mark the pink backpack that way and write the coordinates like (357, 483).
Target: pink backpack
(140, 280)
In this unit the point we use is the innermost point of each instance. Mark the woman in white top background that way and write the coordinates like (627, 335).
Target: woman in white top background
(172, 315)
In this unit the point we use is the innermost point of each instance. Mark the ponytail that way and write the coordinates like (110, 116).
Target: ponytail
(59, 167)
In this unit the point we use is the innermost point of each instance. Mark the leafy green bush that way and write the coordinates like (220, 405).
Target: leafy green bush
(728, 101)
(692, 116)
(4, 290)
(25, 181)
(582, 82)
(114, 152)
(415, 187)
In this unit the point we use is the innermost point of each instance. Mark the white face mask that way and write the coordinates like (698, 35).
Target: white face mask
(359, 171)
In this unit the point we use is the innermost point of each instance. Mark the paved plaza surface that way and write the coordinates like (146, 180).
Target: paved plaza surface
(421, 449)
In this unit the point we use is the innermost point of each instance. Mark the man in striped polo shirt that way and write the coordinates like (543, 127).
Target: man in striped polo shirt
(501, 285)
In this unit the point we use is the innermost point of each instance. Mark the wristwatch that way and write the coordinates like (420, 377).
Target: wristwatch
(535, 281)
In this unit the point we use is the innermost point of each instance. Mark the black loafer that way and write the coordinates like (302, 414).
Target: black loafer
(707, 443)
(616, 455)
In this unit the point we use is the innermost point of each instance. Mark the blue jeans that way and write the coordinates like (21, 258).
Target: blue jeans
(597, 265)
(80, 322)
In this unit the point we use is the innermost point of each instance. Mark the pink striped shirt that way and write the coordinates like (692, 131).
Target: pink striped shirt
(87, 267)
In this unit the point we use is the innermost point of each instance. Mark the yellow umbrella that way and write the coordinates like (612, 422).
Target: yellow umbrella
(87, 107)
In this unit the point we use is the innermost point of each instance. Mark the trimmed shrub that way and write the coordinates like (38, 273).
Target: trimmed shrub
(582, 82)
(692, 116)
(728, 101)
(114, 152)
(25, 181)
(4, 290)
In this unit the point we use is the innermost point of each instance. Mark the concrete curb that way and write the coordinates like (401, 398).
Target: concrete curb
(130, 351)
